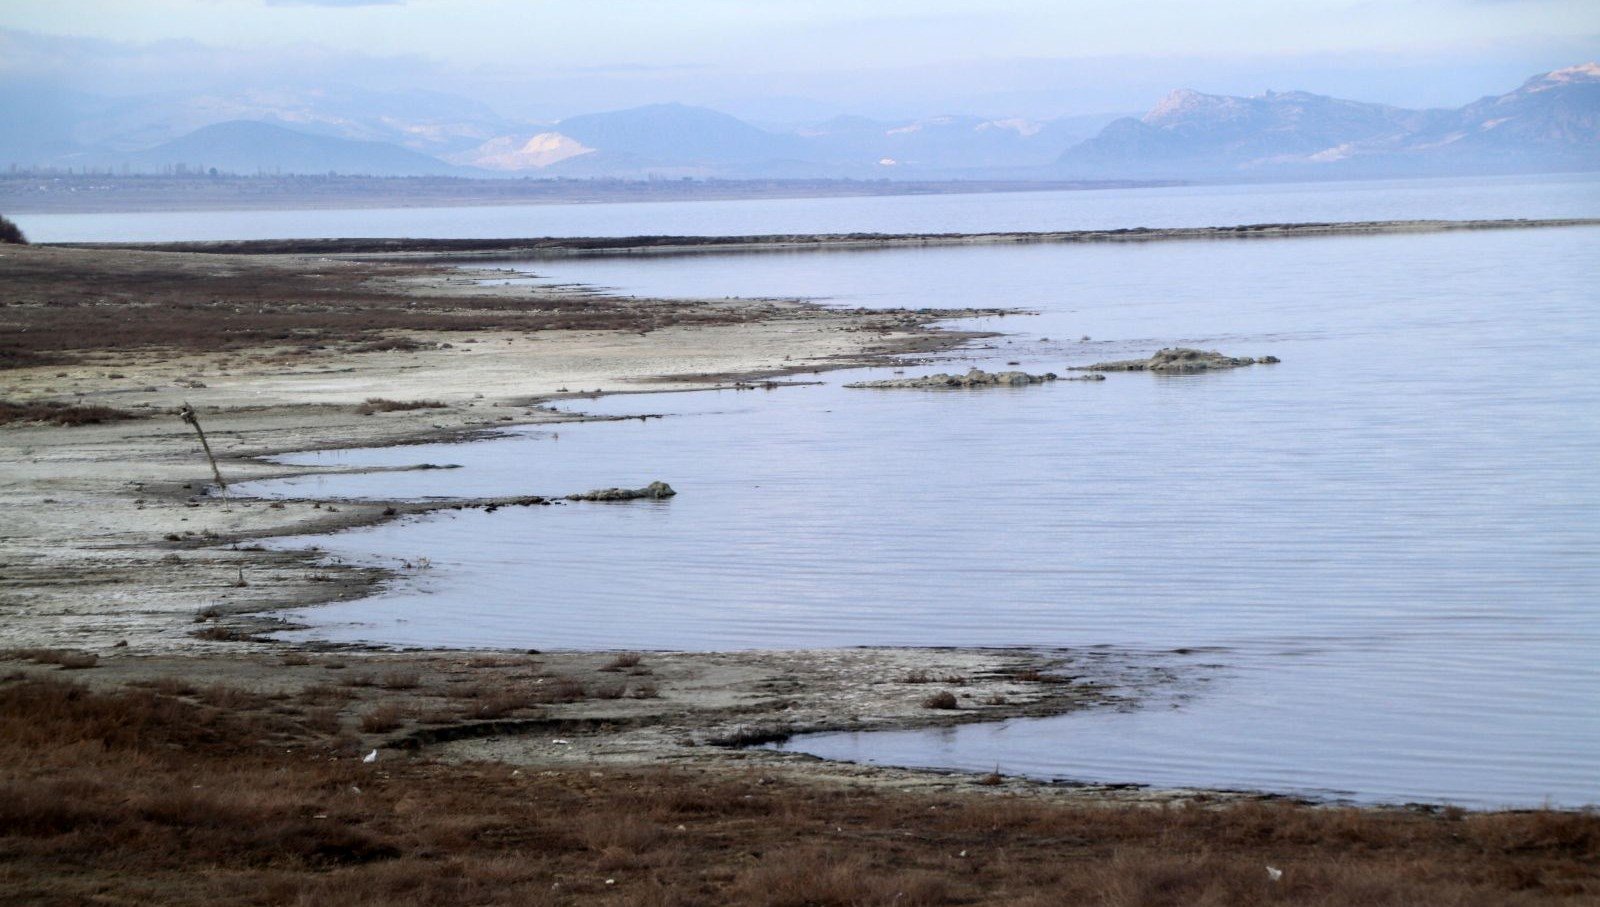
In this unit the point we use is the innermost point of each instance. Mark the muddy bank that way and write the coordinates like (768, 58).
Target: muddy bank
(564, 247)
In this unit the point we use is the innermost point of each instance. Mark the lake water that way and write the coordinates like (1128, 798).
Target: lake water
(1387, 542)
(1570, 195)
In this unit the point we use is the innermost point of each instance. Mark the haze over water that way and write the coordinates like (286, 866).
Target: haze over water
(1386, 543)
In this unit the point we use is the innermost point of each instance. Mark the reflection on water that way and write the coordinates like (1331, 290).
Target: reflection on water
(1392, 532)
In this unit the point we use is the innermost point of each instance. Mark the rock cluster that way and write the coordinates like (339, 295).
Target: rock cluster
(1177, 359)
(974, 378)
(653, 491)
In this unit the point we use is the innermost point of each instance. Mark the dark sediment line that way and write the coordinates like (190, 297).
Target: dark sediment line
(562, 247)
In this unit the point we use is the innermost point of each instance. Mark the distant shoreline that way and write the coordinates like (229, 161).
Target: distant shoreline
(570, 247)
(66, 193)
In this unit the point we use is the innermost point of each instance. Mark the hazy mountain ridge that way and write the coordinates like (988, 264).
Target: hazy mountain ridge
(243, 146)
(1551, 122)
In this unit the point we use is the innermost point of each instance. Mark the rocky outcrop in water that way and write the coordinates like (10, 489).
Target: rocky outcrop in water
(1177, 359)
(654, 491)
(974, 378)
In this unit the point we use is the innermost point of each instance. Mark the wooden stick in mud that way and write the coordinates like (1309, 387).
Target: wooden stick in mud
(188, 415)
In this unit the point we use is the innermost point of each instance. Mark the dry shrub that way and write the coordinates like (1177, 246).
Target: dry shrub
(216, 633)
(562, 688)
(630, 834)
(944, 699)
(167, 685)
(67, 659)
(323, 693)
(61, 413)
(608, 690)
(497, 661)
(385, 717)
(756, 735)
(294, 660)
(500, 704)
(817, 877)
(48, 713)
(232, 698)
(324, 721)
(623, 661)
(382, 405)
(400, 680)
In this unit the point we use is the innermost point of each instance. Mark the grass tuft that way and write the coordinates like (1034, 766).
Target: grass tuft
(381, 405)
(67, 659)
(61, 413)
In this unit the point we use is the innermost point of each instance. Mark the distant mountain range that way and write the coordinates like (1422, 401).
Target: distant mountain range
(242, 146)
(1551, 122)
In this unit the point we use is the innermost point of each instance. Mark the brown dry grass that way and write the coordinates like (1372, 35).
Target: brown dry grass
(63, 303)
(59, 413)
(67, 659)
(623, 662)
(384, 717)
(134, 796)
(384, 405)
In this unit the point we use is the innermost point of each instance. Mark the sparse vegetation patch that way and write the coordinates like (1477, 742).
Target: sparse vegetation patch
(380, 405)
(165, 794)
(60, 413)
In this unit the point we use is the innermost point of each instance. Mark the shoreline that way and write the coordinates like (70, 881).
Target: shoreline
(65, 193)
(121, 554)
(140, 484)
(535, 248)
(155, 751)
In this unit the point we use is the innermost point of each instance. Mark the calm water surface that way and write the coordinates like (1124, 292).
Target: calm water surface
(1193, 206)
(1388, 541)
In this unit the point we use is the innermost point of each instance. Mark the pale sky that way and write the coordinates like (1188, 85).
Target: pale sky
(566, 56)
